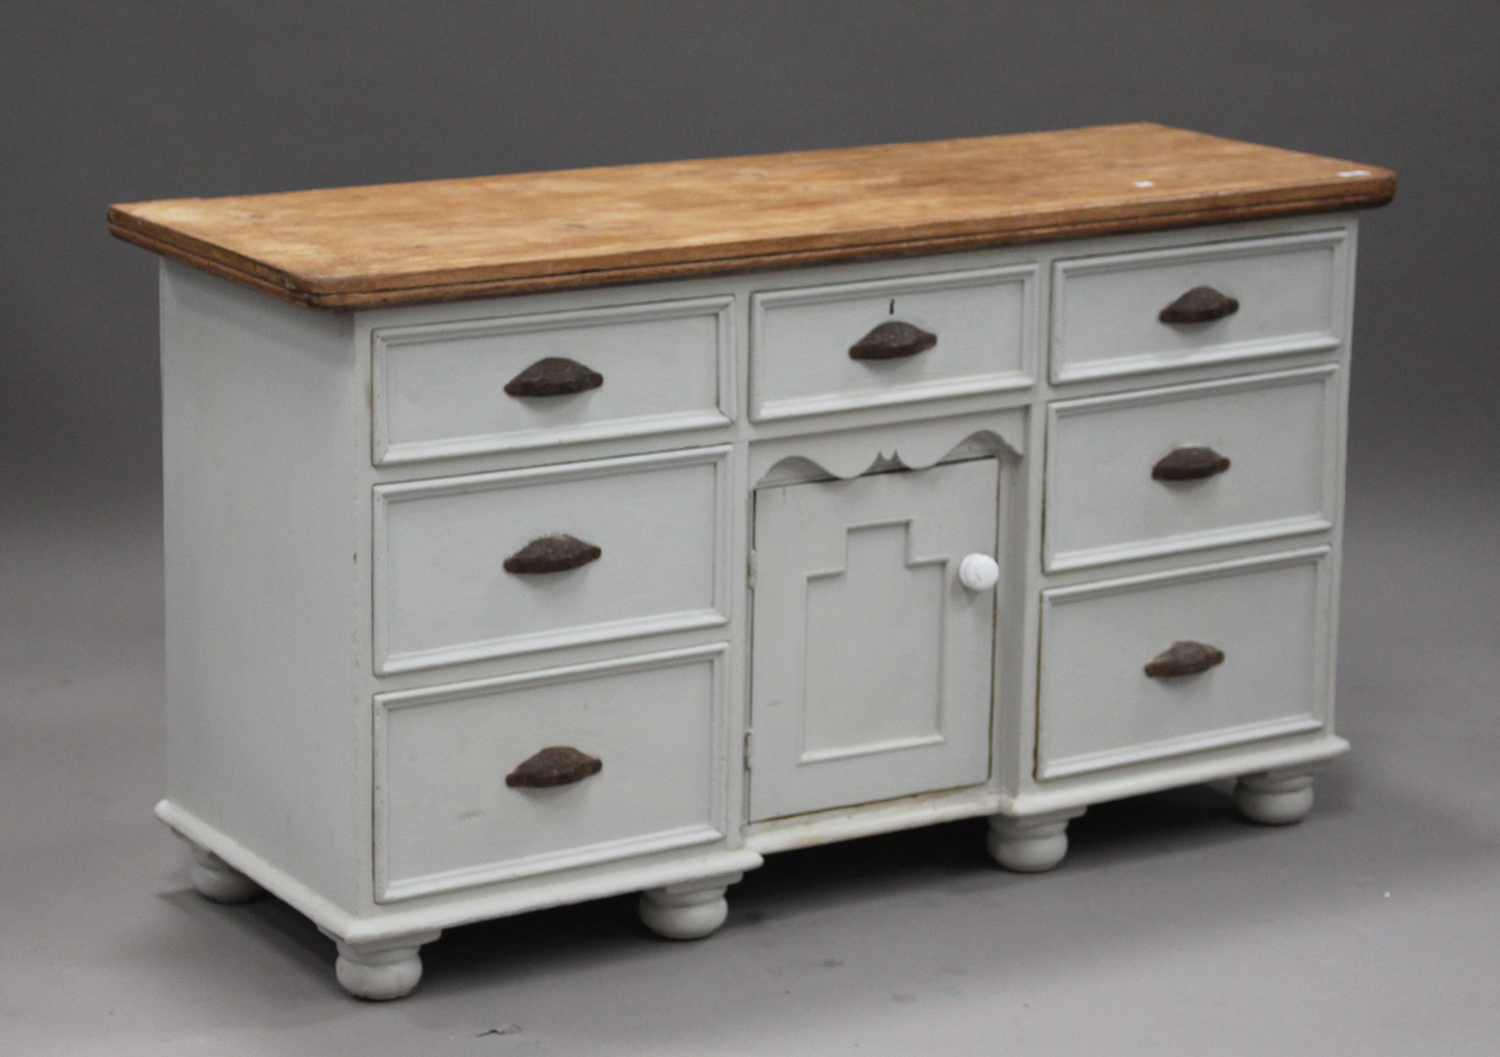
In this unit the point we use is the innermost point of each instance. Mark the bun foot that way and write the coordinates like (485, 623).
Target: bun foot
(1033, 843)
(384, 969)
(215, 879)
(687, 911)
(1274, 798)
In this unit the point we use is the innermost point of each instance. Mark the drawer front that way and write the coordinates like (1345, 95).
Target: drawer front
(450, 815)
(1113, 495)
(983, 321)
(1269, 618)
(443, 593)
(441, 389)
(1106, 311)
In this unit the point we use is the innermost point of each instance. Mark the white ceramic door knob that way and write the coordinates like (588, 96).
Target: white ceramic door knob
(979, 572)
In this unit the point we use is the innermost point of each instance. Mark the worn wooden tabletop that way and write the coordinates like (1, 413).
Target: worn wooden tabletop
(449, 239)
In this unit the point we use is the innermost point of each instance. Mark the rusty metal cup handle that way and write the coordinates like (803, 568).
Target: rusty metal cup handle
(552, 554)
(553, 766)
(1189, 464)
(1184, 657)
(893, 340)
(1201, 304)
(554, 376)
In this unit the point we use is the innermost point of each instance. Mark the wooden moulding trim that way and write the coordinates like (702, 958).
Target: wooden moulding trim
(210, 264)
(277, 284)
(162, 239)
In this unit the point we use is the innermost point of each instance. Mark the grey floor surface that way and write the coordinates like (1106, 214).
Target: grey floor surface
(1172, 928)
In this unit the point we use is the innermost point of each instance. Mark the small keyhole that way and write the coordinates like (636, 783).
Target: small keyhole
(893, 306)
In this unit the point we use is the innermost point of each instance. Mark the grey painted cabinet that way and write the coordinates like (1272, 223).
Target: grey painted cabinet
(520, 578)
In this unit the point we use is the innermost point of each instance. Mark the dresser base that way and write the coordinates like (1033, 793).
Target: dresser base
(379, 956)
(715, 868)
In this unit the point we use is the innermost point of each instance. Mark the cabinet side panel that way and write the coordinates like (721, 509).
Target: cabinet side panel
(263, 409)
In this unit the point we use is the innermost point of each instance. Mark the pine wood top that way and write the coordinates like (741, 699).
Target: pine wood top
(450, 239)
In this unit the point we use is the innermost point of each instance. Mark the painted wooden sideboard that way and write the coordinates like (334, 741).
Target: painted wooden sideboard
(538, 538)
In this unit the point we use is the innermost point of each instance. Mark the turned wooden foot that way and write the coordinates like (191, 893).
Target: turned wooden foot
(215, 879)
(382, 969)
(1275, 798)
(1033, 843)
(687, 911)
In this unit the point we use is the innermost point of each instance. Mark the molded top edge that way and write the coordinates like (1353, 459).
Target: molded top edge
(442, 240)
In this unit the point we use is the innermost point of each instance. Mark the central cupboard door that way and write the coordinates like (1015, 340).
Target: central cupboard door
(872, 663)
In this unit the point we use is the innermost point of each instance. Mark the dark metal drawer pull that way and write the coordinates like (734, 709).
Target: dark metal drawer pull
(1189, 464)
(892, 341)
(554, 376)
(1184, 658)
(552, 554)
(557, 765)
(1201, 304)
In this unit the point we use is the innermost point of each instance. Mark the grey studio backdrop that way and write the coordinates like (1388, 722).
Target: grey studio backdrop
(1171, 928)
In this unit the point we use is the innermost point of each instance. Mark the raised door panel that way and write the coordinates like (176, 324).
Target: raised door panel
(449, 389)
(1287, 294)
(1275, 436)
(450, 812)
(872, 668)
(1106, 703)
(981, 323)
(447, 591)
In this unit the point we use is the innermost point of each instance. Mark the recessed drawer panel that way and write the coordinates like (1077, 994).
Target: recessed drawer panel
(485, 385)
(487, 565)
(833, 348)
(1133, 475)
(1239, 652)
(503, 778)
(1223, 301)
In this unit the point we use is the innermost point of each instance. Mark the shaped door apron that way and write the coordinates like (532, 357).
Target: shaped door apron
(872, 664)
